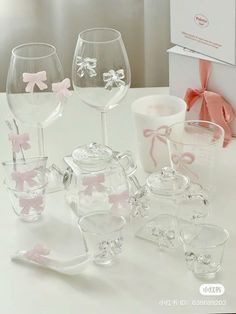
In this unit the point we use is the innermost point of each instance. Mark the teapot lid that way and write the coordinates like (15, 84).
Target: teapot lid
(92, 157)
(167, 182)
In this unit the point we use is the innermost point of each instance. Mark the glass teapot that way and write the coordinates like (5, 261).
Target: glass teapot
(98, 178)
(164, 204)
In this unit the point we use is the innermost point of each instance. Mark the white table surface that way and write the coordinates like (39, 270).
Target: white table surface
(145, 280)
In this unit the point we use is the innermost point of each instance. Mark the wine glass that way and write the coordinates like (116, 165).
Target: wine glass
(35, 87)
(101, 70)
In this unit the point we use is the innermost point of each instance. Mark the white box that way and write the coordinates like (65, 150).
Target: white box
(184, 74)
(205, 26)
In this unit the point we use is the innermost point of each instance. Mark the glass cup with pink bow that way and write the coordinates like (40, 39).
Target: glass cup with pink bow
(152, 116)
(26, 184)
(194, 148)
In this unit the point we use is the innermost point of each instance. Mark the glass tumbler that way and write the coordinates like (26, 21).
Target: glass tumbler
(194, 148)
(204, 248)
(26, 184)
(103, 235)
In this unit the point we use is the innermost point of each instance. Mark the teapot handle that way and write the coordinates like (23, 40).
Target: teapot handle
(127, 162)
(202, 197)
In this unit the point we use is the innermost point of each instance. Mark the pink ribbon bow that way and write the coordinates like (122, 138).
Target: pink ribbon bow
(21, 177)
(158, 134)
(119, 200)
(214, 108)
(35, 203)
(94, 183)
(37, 253)
(35, 79)
(183, 161)
(61, 89)
(18, 141)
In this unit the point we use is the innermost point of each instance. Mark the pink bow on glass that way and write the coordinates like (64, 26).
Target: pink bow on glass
(37, 253)
(21, 177)
(183, 161)
(35, 203)
(18, 141)
(35, 79)
(119, 200)
(214, 108)
(61, 89)
(94, 183)
(158, 134)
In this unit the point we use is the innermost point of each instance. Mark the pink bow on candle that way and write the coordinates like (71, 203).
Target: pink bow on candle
(35, 79)
(119, 200)
(182, 162)
(94, 183)
(158, 134)
(214, 108)
(21, 177)
(37, 253)
(61, 89)
(35, 203)
(18, 141)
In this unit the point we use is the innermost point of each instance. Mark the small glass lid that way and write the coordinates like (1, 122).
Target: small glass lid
(92, 157)
(167, 182)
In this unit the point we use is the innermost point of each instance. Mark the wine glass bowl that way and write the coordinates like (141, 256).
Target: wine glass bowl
(101, 71)
(34, 67)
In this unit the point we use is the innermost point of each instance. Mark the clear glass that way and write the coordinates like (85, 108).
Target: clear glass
(101, 70)
(25, 173)
(28, 204)
(204, 248)
(166, 195)
(194, 149)
(103, 235)
(97, 180)
(34, 67)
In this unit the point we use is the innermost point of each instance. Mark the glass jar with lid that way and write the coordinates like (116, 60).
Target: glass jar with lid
(164, 204)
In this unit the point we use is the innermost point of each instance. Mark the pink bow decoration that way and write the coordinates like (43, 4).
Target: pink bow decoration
(112, 78)
(62, 89)
(18, 141)
(37, 253)
(94, 183)
(119, 200)
(35, 203)
(158, 134)
(21, 177)
(35, 79)
(214, 108)
(182, 162)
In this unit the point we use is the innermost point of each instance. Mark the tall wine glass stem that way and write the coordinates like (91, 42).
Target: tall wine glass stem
(104, 128)
(40, 141)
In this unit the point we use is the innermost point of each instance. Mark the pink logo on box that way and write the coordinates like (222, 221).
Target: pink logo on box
(201, 20)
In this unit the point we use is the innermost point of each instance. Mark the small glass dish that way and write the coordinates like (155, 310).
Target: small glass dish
(204, 248)
(103, 235)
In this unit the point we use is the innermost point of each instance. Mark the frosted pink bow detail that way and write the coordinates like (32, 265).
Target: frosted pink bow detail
(35, 79)
(18, 141)
(21, 177)
(31, 203)
(119, 200)
(62, 89)
(94, 183)
(214, 107)
(158, 134)
(183, 161)
(37, 253)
